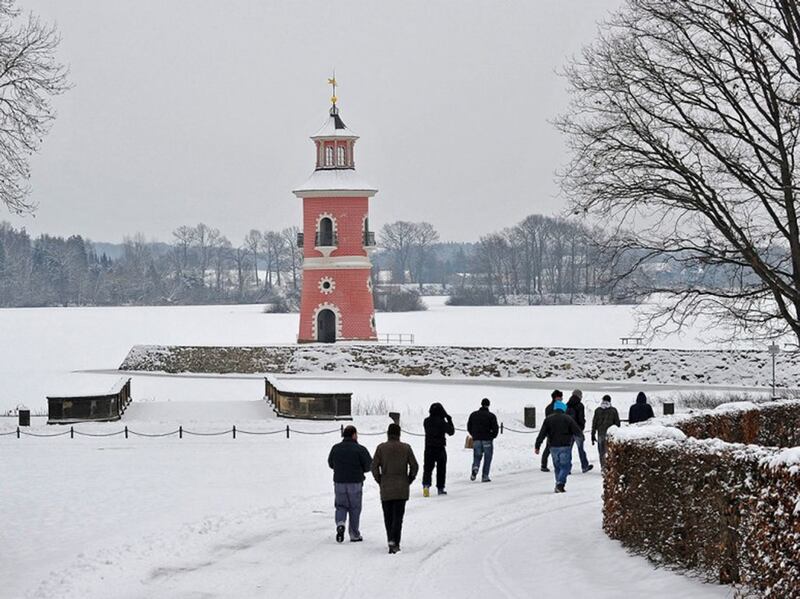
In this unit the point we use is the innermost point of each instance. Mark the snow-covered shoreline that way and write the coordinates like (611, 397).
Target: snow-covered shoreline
(746, 368)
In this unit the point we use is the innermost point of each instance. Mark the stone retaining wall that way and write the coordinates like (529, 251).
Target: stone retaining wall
(740, 368)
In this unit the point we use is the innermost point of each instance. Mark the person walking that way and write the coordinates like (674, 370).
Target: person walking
(349, 462)
(641, 410)
(577, 411)
(548, 409)
(605, 416)
(394, 468)
(482, 427)
(559, 430)
(437, 425)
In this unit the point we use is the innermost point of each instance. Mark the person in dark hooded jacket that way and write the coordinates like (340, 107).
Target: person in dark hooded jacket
(555, 396)
(576, 410)
(641, 410)
(437, 425)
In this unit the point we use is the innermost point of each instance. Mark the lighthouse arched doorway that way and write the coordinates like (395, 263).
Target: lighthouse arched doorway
(326, 326)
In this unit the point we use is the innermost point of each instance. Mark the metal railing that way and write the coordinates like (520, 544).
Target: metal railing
(328, 240)
(396, 338)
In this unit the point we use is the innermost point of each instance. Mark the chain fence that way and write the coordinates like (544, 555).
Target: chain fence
(233, 431)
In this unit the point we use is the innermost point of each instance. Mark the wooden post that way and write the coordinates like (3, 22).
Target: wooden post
(180, 432)
(501, 428)
(341, 429)
(126, 431)
(71, 432)
(17, 432)
(287, 431)
(234, 431)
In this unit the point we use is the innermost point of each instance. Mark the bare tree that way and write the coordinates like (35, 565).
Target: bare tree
(29, 76)
(398, 239)
(684, 128)
(253, 241)
(424, 237)
(241, 258)
(294, 254)
(184, 238)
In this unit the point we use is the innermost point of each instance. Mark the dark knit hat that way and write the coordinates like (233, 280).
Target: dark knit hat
(349, 431)
(485, 402)
(606, 398)
(578, 393)
(393, 430)
(556, 393)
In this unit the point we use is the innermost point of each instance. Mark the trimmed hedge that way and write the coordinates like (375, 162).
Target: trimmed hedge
(729, 511)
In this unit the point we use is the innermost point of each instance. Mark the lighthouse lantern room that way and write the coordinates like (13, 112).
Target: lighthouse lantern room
(336, 302)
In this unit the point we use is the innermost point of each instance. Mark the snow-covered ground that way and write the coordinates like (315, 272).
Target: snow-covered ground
(215, 516)
(41, 347)
(252, 517)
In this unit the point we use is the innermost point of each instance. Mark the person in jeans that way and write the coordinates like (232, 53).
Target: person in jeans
(482, 427)
(604, 418)
(394, 468)
(548, 409)
(559, 430)
(349, 462)
(437, 425)
(577, 412)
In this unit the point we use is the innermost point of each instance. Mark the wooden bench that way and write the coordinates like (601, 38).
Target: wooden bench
(633, 340)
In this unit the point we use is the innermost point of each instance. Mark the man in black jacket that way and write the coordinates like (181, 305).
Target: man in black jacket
(437, 425)
(548, 409)
(559, 430)
(482, 427)
(577, 412)
(349, 462)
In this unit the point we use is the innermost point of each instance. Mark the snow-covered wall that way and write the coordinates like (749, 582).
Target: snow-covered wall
(696, 493)
(705, 367)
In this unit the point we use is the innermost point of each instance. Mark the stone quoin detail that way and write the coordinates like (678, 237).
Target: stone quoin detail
(335, 303)
(327, 285)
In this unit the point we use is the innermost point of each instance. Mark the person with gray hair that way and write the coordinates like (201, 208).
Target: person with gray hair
(349, 462)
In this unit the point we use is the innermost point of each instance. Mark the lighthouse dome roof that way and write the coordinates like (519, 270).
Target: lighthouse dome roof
(334, 128)
(338, 181)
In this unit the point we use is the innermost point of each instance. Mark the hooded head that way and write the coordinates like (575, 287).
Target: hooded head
(606, 402)
(485, 402)
(577, 393)
(437, 410)
(393, 432)
(349, 432)
(641, 398)
(560, 406)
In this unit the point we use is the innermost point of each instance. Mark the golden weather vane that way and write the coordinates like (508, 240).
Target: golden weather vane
(332, 83)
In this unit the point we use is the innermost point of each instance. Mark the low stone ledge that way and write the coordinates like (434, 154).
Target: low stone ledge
(703, 367)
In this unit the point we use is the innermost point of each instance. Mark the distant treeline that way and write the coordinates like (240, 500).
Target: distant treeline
(540, 260)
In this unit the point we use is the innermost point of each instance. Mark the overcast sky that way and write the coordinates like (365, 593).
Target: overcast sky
(187, 111)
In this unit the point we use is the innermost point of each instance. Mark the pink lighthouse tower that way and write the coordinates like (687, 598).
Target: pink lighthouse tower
(336, 302)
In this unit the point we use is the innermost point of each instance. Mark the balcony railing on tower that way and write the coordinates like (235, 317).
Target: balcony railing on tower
(369, 239)
(300, 239)
(323, 239)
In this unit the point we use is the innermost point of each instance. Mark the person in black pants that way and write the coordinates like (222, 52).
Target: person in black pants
(548, 409)
(394, 468)
(437, 425)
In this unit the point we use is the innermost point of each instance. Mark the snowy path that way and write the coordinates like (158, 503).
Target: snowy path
(253, 518)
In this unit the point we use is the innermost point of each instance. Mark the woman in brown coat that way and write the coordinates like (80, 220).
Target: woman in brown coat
(394, 468)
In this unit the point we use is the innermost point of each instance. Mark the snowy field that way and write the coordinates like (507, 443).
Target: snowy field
(42, 347)
(252, 517)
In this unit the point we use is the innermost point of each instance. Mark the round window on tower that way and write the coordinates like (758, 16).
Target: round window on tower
(327, 285)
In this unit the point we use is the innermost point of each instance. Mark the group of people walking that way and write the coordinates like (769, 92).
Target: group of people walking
(394, 466)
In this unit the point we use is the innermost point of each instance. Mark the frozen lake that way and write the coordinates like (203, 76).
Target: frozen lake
(43, 347)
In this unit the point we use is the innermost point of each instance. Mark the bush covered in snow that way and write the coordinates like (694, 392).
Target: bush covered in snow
(703, 498)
